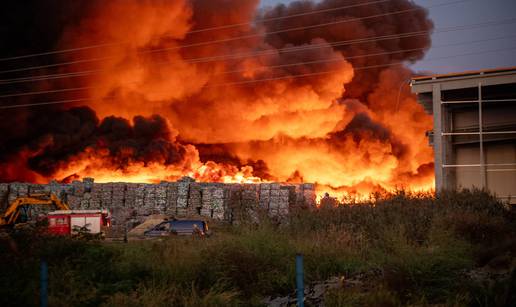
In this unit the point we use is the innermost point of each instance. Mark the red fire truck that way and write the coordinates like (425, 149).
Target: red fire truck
(71, 222)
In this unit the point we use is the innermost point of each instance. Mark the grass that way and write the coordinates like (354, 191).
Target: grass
(409, 250)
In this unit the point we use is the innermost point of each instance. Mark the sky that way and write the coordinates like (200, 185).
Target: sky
(473, 48)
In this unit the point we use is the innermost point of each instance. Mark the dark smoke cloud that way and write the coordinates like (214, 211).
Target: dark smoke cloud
(38, 141)
(364, 80)
(56, 137)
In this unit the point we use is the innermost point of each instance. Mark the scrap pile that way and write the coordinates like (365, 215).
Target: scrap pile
(185, 198)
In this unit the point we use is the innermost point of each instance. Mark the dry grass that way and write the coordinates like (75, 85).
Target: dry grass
(418, 248)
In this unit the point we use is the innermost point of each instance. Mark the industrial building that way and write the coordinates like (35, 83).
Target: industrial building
(474, 132)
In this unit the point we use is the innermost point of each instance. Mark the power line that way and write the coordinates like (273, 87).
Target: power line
(281, 65)
(357, 68)
(272, 51)
(196, 31)
(240, 83)
(235, 38)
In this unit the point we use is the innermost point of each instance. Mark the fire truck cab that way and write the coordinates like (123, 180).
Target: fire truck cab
(69, 222)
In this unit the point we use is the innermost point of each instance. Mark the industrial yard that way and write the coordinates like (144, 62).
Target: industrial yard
(272, 153)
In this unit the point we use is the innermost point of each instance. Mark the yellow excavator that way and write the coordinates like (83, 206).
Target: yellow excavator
(20, 207)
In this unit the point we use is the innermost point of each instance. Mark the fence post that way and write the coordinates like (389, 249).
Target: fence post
(43, 283)
(299, 281)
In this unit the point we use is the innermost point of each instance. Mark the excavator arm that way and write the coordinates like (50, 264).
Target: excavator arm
(10, 216)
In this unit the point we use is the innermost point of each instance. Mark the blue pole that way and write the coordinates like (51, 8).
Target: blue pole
(299, 281)
(43, 280)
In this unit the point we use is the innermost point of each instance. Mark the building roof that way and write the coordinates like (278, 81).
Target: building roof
(423, 84)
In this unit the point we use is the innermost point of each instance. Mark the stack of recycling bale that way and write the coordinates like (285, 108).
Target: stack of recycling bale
(107, 195)
(234, 207)
(16, 190)
(88, 186)
(219, 205)
(161, 198)
(194, 199)
(96, 196)
(207, 200)
(309, 195)
(4, 194)
(74, 199)
(229, 202)
(274, 203)
(265, 196)
(171, 208)
(118, 196)
(149, 200)
(139, 196)
(250, 201)
(130, 195)
(283, 204)
(182, 198)
(39, 189)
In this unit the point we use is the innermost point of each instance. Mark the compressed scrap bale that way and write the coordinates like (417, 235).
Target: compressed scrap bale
(88, 183)
(149, 201)
(194, 199)
(171, 206)
(309, 194)
(283, 206)
(39, 189)
(23, 189)
(207, 201)
(182, 198)
(78, 188)
(4, 193)
(117, 199)
(219, 204)
(106, 194)
(139, 196)
(74, 202)
(130, 195)
(161, 198)
(85, 203)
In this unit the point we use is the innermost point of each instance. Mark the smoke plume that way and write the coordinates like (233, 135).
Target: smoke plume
(172, 90)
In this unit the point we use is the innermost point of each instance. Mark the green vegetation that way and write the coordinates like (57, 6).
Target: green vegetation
(458, 249)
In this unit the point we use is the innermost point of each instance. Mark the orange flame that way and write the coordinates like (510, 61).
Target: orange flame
(296, 118)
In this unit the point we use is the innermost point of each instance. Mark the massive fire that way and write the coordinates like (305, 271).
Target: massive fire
(221, 90)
